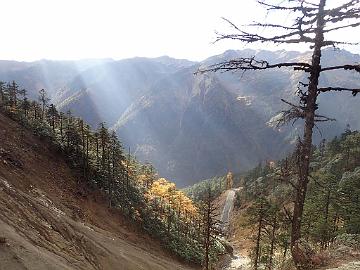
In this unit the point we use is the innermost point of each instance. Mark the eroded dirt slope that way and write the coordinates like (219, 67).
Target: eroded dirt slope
(48, 221)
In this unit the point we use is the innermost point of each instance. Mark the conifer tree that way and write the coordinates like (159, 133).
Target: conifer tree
(25, 104)
(43, 98)
(2, 93)
(257, 216)
(210, 225)
(61, 123)
(12, 90)
(53, 115)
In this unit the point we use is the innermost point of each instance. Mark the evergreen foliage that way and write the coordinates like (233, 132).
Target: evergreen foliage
(163, 211)
(332, 206)
(199, 190)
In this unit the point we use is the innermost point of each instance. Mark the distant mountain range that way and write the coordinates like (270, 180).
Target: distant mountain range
(190, 126)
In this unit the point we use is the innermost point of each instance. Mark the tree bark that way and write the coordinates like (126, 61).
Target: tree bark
(272, 244)
(258, 239)
(300, 258)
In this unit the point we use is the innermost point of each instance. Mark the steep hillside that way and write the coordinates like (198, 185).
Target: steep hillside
(189, 136)
(331, 217)
(50, 221)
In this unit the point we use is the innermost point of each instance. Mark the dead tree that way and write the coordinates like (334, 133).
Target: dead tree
(313, 20)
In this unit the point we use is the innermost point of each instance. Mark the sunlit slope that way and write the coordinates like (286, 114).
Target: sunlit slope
(192, 135)
(192, 126)
(48, 221)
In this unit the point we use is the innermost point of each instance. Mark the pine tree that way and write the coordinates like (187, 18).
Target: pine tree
(61, 127)
(53, 115)
(117, 159)
(349, 195)
(25, 104)
(210, 225)
(2, 93)
(12, 90)
(43, 98)
(257, 214)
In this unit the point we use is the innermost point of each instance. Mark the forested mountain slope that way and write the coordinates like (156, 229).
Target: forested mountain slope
(51, 221)
(192, 126)
(331, 221)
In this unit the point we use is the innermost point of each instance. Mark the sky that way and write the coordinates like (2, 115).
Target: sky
(78, 29)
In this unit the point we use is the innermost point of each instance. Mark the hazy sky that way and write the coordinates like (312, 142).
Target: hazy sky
(74, 29)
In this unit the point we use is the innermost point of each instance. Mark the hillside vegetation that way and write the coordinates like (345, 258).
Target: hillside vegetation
(96, 168)
(331, 222)
(51, 221)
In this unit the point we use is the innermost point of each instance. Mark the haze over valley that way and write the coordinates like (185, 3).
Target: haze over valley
(180, 135)
(189, 126)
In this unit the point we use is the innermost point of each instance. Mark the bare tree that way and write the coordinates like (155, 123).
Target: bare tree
(313, 20)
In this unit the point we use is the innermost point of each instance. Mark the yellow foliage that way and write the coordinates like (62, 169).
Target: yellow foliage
(177, 199)
(229, 180)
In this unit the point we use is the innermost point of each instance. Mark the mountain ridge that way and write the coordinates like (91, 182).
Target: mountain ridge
(168, 116)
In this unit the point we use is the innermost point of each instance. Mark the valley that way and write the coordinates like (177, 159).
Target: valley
(133, 138)
(189, 126)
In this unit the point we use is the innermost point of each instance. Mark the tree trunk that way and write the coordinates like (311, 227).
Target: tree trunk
(207, 232)
(272, 244)
(61, 127)
(258, 239)
(53, 123)
(300, 259)
(325, 237)
(87, 158)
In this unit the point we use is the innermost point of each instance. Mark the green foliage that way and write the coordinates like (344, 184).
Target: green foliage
(198, 191)
(332, 206)
(100, 158)
(349, 197)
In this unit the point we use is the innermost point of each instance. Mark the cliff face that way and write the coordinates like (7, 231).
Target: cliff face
(50, 221)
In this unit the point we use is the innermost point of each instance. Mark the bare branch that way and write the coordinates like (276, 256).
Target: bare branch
(354, 91)
(284, 175)
(251, 37)
(288, 215)
(294, 113)
(344, 6)
(334, 43)
(318, 129)
(342, 27)
(348, 10)
(257, 24)
(251, 63)
(345, 67)
(322, 118)
(291, 8)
